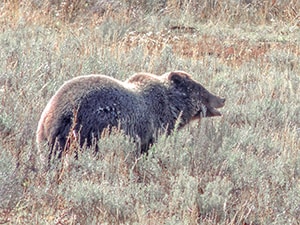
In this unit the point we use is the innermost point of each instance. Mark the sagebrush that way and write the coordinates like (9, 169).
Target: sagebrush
(243, 168)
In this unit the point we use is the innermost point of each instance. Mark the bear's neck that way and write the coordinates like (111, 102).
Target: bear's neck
(170, 108)
(181, 108)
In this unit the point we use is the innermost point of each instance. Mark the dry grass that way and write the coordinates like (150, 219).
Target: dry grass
(243, 168)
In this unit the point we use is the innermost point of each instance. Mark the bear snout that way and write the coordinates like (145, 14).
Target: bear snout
(222, 102)
(217, 102)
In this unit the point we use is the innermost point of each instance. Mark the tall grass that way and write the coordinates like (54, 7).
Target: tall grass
(242, 168)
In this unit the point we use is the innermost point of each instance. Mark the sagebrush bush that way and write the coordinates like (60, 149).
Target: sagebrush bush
(242, 168)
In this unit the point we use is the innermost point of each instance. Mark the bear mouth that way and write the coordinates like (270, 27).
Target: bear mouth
(208, 111)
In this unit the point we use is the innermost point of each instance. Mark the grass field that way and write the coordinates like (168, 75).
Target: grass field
(241, 168)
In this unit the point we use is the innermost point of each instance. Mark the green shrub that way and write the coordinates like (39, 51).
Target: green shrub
(242, 168)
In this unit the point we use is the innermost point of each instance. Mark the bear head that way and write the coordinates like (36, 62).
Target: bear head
(201, 102)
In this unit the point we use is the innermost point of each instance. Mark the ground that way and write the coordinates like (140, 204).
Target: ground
(242, 168)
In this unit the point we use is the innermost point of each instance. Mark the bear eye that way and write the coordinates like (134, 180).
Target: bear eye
(181, 93)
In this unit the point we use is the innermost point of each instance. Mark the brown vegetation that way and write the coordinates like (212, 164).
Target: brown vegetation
(242, 168)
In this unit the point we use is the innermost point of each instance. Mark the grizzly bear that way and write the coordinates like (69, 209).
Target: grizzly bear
(142, 106)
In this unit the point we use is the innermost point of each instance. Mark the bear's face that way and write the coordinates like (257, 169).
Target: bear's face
(204, 103)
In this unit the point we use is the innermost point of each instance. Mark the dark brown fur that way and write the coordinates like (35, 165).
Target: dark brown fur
(142, 106)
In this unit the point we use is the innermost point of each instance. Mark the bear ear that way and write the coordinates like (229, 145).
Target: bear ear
(176, 78)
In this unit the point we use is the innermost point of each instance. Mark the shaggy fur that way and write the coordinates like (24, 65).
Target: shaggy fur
(142, 106)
